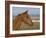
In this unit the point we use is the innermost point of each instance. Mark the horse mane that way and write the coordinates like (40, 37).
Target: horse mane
(23, 13)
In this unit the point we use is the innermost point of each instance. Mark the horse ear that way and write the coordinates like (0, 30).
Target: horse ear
(26, 12)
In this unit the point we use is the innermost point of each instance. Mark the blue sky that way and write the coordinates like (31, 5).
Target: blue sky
(31, 11)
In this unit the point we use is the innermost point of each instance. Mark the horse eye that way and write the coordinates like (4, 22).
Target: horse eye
(27, 16)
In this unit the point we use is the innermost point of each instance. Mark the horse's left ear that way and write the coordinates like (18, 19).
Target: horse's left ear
(26, 12)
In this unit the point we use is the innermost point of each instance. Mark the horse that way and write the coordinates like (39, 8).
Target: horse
(24, 17)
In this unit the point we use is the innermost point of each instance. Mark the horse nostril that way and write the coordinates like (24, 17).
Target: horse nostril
(32, 23)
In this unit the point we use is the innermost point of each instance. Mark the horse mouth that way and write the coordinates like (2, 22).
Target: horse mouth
(29, 24)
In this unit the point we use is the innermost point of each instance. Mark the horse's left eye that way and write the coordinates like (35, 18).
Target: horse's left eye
(27, 16)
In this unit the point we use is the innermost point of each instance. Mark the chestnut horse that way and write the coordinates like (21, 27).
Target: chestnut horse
(24, 17)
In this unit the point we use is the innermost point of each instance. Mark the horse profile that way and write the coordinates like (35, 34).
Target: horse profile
(24, 17)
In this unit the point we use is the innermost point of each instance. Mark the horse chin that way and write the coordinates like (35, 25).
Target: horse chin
(31, 24)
